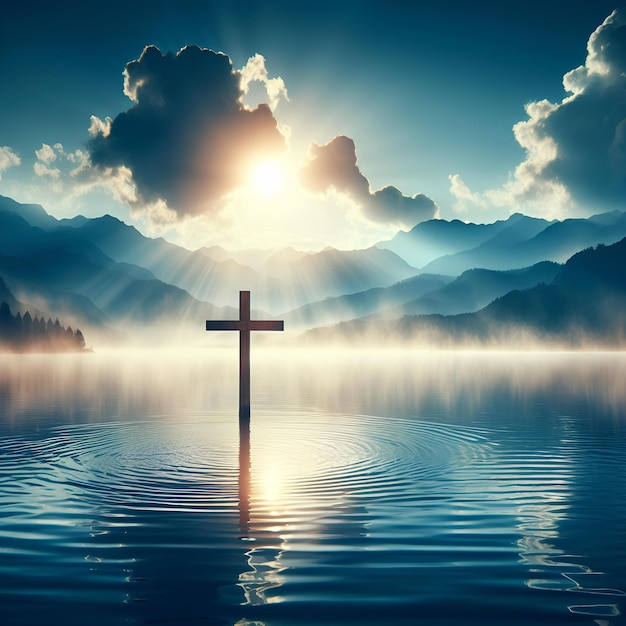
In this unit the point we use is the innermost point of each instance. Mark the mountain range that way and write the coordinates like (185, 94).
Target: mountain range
(584, 306)
(451, 248)
(108, 278)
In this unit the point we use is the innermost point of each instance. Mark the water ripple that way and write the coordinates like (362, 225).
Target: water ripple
(416, 500)
(318, 457)
(135, 464)
(192, 466)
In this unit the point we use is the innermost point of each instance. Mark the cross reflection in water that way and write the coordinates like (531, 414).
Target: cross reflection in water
(264, 560)
(244, 479)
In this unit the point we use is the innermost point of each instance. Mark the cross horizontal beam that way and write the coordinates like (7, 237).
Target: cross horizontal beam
(251, 325)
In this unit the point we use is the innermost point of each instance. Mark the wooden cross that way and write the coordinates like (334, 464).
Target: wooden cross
(244, 325)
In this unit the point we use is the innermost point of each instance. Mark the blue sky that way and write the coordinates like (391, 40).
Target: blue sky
(424, 95)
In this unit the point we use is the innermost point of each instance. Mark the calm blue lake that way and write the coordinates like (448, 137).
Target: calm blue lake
(384, 488)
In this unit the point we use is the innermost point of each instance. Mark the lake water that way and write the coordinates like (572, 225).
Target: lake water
(378, 488)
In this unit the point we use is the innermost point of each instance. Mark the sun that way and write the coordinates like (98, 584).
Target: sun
(268, 177)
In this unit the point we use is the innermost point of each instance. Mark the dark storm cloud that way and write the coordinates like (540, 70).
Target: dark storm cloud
(188, 140)
(389, 205)
(334, 166)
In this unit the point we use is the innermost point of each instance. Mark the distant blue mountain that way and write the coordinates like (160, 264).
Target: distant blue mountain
(584, 306)
(451, 248)
(34, 214)
(285, 280)
(331, 273)
(301, 278)
(438, 238)
(557, 242)
(111, 272)
(203, 278)
(9, 298)
(64, 275)
(363, 303)
(423, 294)
(476, 288)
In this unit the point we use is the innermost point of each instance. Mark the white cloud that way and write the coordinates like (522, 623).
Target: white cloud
(255, 71)
(464, 197)
(118, 181)
(62, 180)
(43, 170)
(46, 153)
(8, 159)
(157, 215)
(575, 149)
(99, 127)
(68, 165)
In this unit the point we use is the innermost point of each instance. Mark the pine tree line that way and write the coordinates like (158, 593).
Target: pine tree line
(25, 334)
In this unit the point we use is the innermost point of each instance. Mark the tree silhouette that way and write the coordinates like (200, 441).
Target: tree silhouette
(6, 319)
(27, 326)
(79, 339)
(25, 334)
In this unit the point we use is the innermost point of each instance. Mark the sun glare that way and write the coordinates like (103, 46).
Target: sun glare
(268, 177)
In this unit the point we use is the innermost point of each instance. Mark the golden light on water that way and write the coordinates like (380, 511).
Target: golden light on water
(271, 488)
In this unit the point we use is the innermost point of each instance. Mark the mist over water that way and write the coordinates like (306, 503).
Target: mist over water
(393, 487)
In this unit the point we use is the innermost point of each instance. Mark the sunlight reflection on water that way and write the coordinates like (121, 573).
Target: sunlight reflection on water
(378, 486)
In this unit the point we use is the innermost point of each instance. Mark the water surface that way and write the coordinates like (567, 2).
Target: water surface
(378, 488)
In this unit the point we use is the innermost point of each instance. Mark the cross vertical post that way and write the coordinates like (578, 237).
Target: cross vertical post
(244, 354)
(244, 325)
